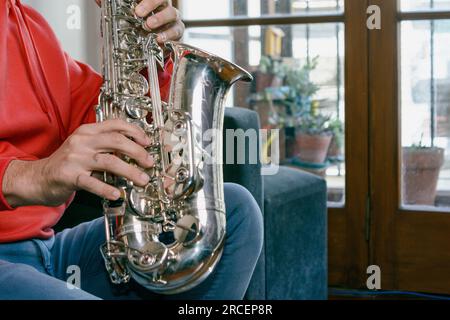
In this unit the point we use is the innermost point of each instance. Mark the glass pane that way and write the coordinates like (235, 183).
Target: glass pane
(221, 9)
(416, 5)
(425, 93)
(298, 89)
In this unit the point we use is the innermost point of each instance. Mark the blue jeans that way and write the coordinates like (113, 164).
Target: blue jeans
(39, 269)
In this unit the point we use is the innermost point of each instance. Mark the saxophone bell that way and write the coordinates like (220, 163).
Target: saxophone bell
(169, 235)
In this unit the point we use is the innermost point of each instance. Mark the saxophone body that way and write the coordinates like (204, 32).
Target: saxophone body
(169, 235)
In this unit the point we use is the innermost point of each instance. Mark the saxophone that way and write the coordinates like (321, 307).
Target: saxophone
(169, 235)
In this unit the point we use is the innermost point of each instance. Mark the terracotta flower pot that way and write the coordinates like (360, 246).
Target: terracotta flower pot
(313, 148)
(421, 167)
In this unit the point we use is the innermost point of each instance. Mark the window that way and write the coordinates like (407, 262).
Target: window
(295, 50)
(225, 9)
(425, 113)
(418, 5)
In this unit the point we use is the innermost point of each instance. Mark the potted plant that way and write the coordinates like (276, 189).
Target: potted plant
(301, 88)
(298, 101)
(313, 138)
(421, 166)
(313, 134)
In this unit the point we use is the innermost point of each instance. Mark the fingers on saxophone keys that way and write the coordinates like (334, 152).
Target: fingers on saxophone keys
(168, 183)
(145, 7)
(97, 187)
(112, 164)
(175, 32)
(164, 17)
(167, 147)
(127, 129)
(117, 142)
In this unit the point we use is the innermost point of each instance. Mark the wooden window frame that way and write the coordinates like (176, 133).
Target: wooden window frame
(348, 233)
(410, 246)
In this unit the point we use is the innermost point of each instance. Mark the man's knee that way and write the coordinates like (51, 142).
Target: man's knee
(22, 282)
(9, 270)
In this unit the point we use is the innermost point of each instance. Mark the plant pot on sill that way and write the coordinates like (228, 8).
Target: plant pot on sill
(318, 169)
(420, 171)
(313, 148)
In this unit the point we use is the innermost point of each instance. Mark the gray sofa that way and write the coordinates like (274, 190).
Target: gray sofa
(293, 264)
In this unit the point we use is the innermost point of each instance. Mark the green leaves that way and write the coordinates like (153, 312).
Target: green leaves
(269, 65)
(315, 124)
(299, 79)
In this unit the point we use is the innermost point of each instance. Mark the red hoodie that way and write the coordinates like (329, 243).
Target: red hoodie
(44, 97)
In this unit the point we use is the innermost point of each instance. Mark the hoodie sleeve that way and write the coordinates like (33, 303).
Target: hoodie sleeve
(9, 153)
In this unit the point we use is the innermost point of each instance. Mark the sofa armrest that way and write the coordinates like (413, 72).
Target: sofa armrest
(246, 174)
(295, 204)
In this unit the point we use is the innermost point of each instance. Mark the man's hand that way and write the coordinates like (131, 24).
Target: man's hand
(166, 20)
(53, 180)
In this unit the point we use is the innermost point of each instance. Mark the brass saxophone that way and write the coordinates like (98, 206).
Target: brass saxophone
(169, 235)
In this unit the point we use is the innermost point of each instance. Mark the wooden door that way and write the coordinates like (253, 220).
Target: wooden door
(410, 241)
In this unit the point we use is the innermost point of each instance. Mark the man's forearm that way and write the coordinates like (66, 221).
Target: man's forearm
(22, 185)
